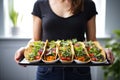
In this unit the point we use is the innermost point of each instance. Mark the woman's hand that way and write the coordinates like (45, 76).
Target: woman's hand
(109, 55)
(19, 54)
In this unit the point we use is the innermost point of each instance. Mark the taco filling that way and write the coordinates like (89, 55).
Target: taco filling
(80, 53)
(50, 52)
(94, 52)
(65, 52)
(34, 51)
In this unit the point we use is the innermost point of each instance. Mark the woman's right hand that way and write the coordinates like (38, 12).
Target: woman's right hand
(19, 54)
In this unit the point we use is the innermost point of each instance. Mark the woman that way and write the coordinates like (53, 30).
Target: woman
(63, 19)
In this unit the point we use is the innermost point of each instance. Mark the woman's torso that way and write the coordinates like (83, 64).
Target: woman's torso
(56, 27)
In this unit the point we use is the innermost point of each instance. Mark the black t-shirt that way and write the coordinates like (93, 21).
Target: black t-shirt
(55, 27)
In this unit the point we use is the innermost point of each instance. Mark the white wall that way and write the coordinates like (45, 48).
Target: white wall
(112, 15)
(1, 18)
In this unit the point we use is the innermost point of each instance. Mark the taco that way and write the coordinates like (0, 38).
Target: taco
(95, 51)
(34, 51)
(51, 51)
(81, 55)
(65, 51)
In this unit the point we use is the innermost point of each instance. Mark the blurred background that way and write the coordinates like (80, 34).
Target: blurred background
(16, 31)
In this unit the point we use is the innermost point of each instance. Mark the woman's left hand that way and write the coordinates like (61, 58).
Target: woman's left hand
(109, 55)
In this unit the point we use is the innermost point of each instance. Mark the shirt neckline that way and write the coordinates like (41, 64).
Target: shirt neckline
(56, 14)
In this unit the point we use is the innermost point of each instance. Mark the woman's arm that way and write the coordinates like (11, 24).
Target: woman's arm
(91, 35)
(91, 29)
(37, 27)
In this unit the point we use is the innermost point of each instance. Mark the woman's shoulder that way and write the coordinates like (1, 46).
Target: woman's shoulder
(41, 1)
(89, 2)
(90, 8)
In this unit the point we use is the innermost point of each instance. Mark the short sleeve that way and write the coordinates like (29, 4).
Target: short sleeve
(90, 9)
(36, 9)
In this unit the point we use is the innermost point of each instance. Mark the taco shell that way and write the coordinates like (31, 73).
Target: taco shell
(51, 52)
(81, 55)
(96, 52)
(34, 51)
(65, 56)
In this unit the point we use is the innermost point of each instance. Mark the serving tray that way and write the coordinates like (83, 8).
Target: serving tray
(58, 63)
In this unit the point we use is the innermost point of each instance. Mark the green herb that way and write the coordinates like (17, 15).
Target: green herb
(89, 43)
(66, 54)
(74, 41)
(64, 43)
(37, 46)
(95, 50)
(78, 54)
(52, 44)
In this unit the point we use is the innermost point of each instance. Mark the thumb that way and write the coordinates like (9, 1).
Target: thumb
(19, 55)
(107, 53)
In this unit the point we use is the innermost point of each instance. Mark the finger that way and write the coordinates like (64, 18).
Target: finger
(19, 55)
(110, 55)
(107, 54)
(16, 57)
(23, 65)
